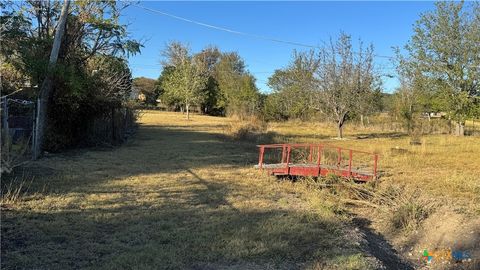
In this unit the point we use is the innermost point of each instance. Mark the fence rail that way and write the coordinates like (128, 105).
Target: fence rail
(317, 160)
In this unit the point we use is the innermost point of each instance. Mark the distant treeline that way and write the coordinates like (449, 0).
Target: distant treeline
(438, 70)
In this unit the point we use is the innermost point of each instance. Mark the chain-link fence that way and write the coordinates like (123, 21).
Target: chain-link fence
(17, 126)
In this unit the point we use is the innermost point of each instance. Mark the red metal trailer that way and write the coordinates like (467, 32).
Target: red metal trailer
(317, 160)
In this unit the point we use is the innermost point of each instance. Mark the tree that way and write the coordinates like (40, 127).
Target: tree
(46, 88)
(444, 55)
(209, 58)
(346, 79)
(238, 94)
(147, 87)
(414, 96)
(292, 86)
(166, 97)
(79, 91)
(113, 78)
(186, 81)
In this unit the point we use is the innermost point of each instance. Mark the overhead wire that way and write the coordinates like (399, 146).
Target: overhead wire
(228, 30)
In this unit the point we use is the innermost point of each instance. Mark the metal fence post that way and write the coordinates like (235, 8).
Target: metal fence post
(5, 115)
(289, 150)
(375, 163)
(260, 159)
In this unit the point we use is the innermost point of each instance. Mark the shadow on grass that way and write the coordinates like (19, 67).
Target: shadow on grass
(154, 149)
(379, 247)
(391, 135)
(195, 229)
(158, 226)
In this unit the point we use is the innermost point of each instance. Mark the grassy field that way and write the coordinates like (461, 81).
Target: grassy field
(444, 166)
(184, 194)
(178, 195)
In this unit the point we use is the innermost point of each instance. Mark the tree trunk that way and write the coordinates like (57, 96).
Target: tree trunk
(113, 126)
(47, 84)
(340, 123)
(459, 129)
(188, 111)
(362, 120)
(340, 130)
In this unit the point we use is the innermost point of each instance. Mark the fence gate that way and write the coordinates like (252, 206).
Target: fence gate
(18, 122)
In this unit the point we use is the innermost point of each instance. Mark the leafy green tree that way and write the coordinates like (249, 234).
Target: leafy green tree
(187, 80)
(293, 86)
(237, 91)
(209, 58)
(165, 97)
(82, 88)
(444, 56)
(273, 107)
(147, 87)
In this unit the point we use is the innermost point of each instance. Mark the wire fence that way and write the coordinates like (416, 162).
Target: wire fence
(18, 120)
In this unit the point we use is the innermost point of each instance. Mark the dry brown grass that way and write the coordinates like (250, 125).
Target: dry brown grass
(180, 194)
(246, 129)
(183, 194)
(439, 177)
(444, 166)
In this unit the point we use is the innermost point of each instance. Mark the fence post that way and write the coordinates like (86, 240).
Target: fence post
(288, 158)
(260, 158)
(375, 163)
(319, 159)
(113, 125)
(34, 130)
(5, 116)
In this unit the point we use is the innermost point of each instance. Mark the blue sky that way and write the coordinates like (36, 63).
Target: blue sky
(384, 24)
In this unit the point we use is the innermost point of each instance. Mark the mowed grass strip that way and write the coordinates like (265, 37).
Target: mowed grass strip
(179, 195)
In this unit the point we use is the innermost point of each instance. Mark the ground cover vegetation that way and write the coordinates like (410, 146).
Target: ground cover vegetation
(182, 193)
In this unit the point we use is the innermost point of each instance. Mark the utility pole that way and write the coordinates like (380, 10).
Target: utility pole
(46, 88)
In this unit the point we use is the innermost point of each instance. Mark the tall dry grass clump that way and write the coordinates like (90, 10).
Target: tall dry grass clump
(402, 209)
(246, 128)
(13, 191)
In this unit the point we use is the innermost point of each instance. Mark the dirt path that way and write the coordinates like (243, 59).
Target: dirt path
(376, 245)
(177, 196)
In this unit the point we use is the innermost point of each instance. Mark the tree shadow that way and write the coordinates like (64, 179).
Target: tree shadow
(390, 135)
(154, 149)
(197, 228)
(192, 224)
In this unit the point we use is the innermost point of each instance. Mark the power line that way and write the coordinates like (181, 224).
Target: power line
(294, 43)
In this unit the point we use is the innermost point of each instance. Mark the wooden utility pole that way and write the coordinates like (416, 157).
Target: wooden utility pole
(46, 88)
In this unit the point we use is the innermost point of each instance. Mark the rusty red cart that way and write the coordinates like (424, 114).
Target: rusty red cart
(317, 160)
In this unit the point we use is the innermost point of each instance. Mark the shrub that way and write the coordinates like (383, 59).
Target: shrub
(409, 215)
(250, 129)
